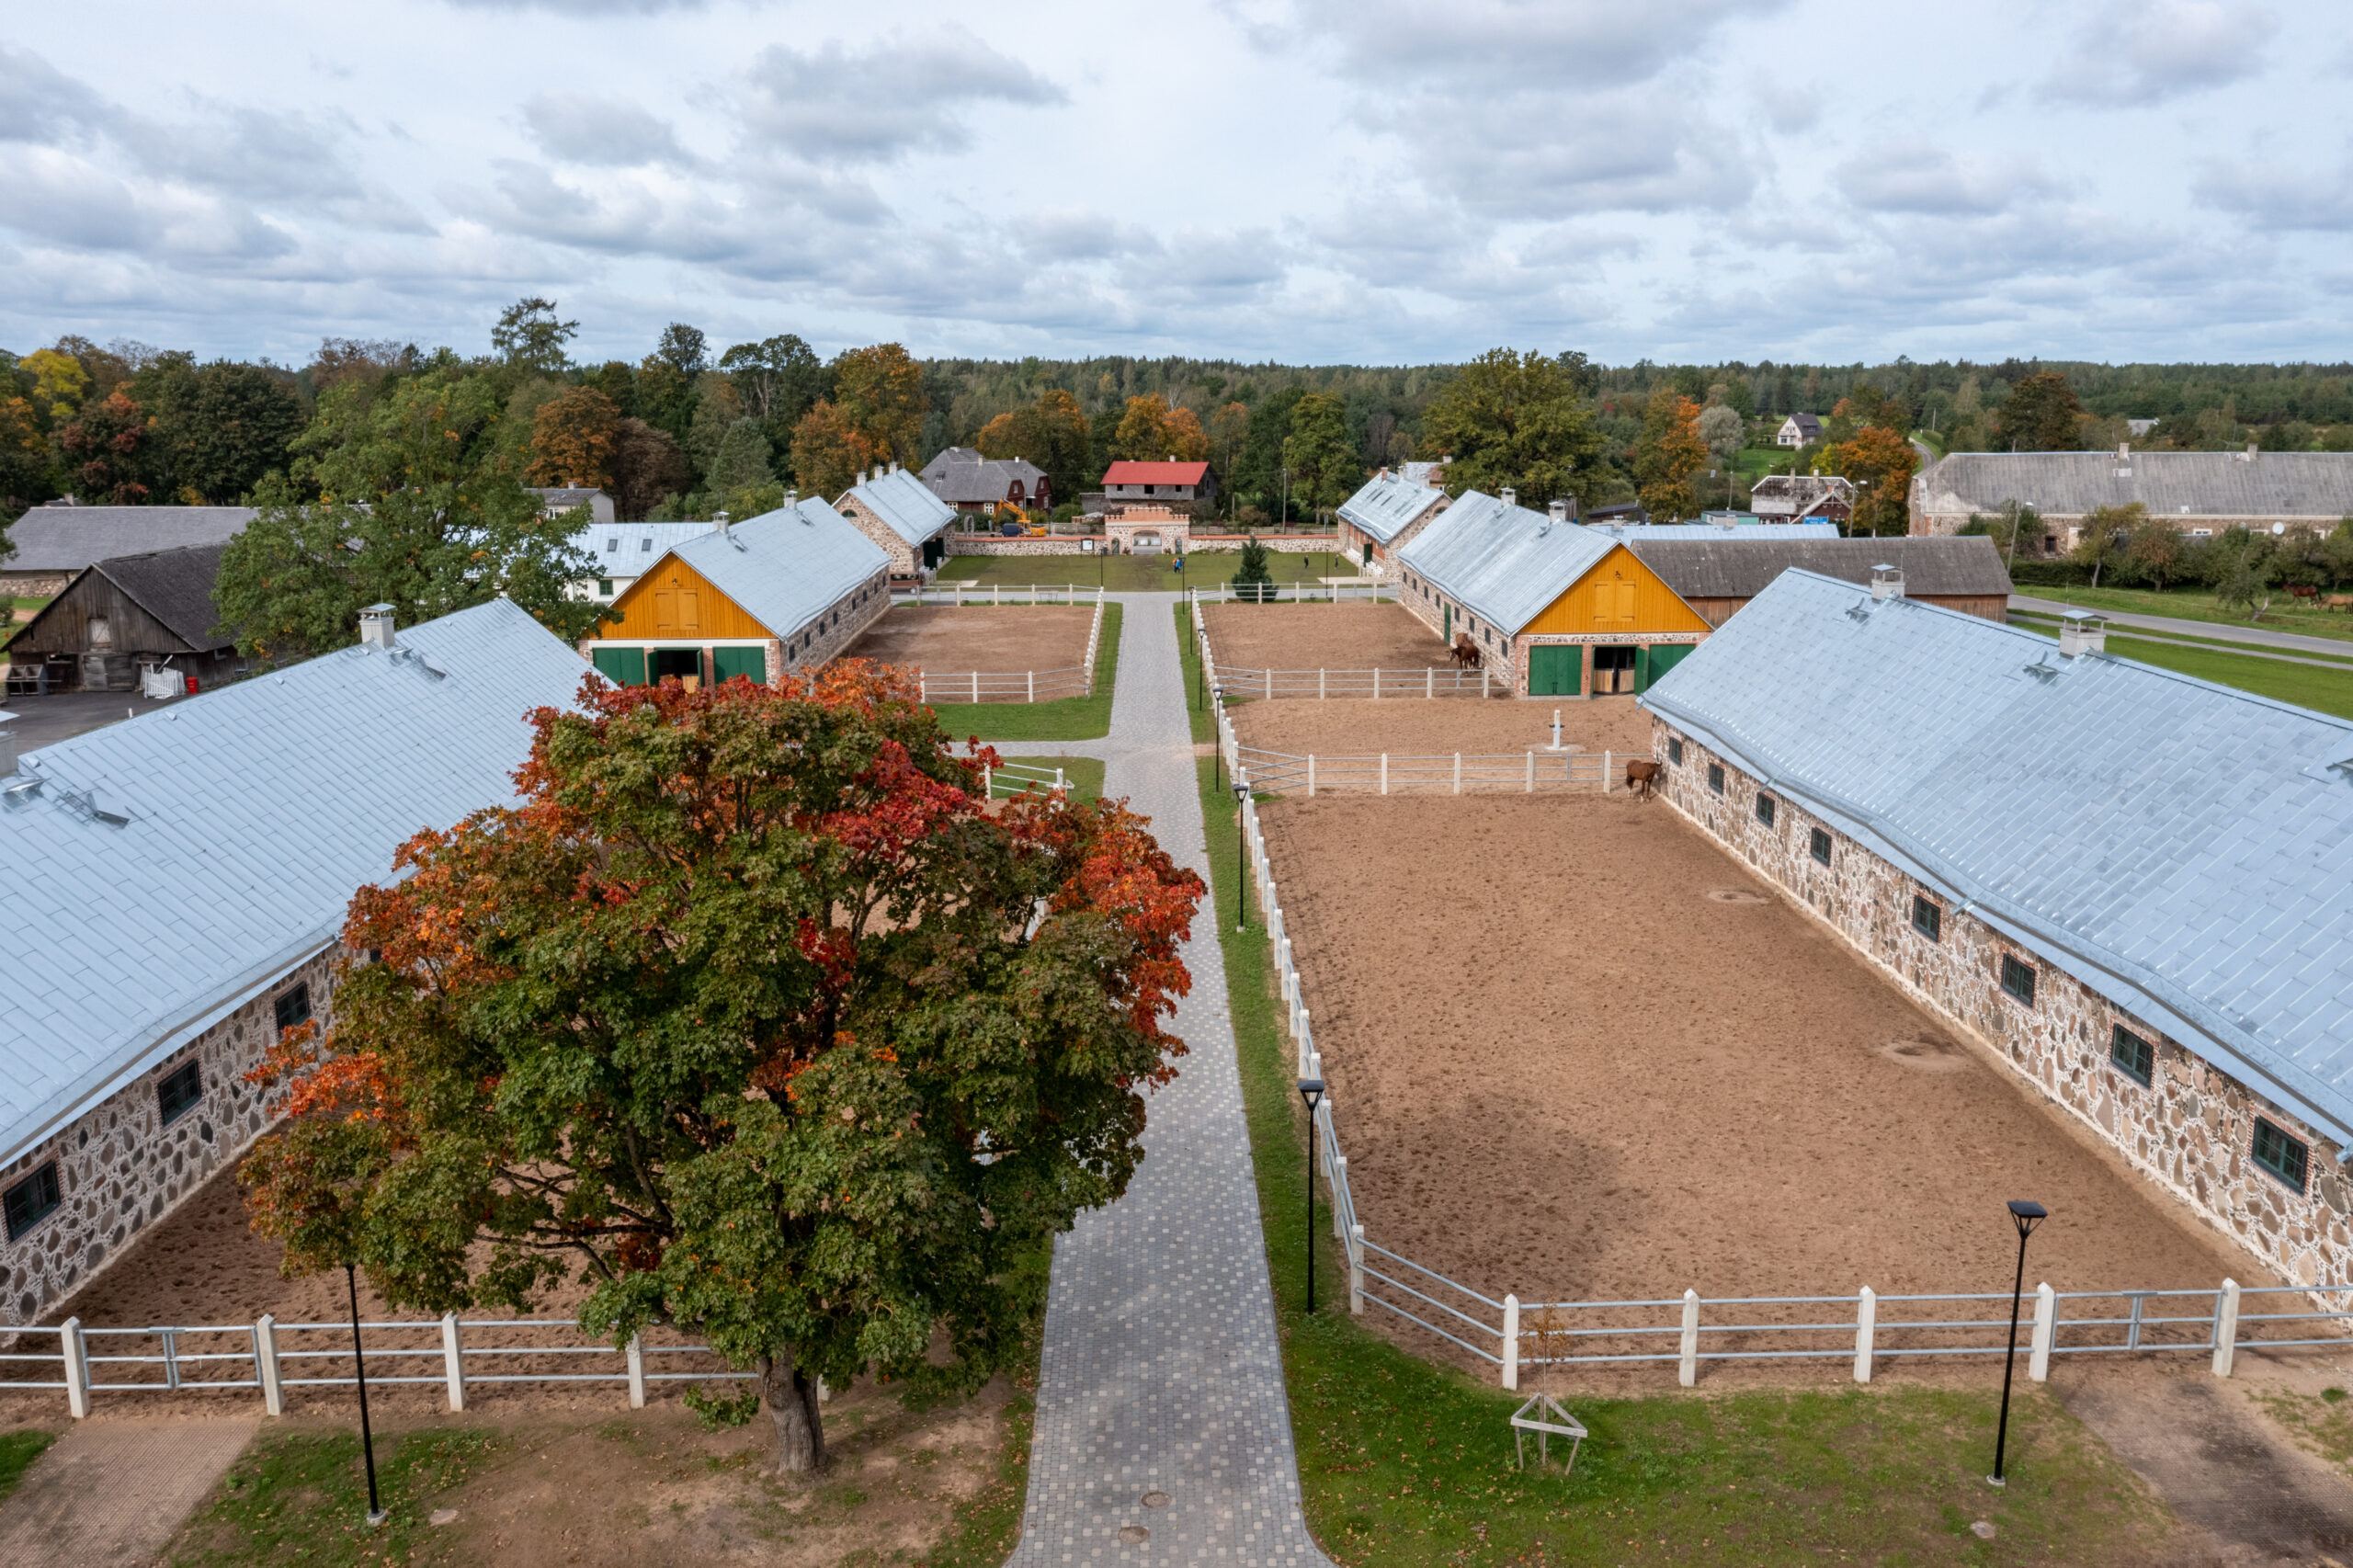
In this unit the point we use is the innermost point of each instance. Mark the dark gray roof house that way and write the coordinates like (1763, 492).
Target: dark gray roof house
(49, 544)
(2202, 491)
(155, 607)
(964, 479)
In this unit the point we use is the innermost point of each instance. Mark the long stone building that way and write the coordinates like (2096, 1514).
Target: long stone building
(180, 881)
(2127, 885)
(2204, 492)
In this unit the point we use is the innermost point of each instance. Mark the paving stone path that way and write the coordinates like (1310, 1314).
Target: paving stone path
(1162, 1375)
(110, 1493)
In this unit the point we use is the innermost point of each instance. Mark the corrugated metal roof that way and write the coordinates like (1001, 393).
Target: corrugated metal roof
(787, 567)
(2182, 849)
(1502, 564)
(1388, 504)
(1128, 472)
(255, 811)
(1740, 568)
(906, 505)
(2173, 484)
(66, 539)
(1634, 533)
(624, 550)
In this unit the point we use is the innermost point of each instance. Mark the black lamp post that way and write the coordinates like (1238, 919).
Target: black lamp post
(1311, 1091)
(1241, 866)
(2026, 1217)
(359, 1367)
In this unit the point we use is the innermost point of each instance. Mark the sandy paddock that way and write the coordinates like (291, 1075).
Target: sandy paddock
(1357, 726)
(1346, 636)
(1578, 1054)
(946, 639)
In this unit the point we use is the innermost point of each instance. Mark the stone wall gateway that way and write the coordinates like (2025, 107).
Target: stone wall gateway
(120, 1168)
(2190, 1131)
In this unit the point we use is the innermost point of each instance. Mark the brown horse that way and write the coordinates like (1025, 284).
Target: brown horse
(1464, 652)
(1642, 778)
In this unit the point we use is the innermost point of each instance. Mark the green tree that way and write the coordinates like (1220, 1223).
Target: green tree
(109, 451)
(757, 1020)
(779, 378)
(1252, 577)
(741, 464)
(1514, 420)
(529, 337)
(718, 407)
(1053, 433)
(1669, 454)
(874, 416)
(2244, 573)
(1324, 465)
(2155, 555)
(2104, 541)
(2043, 415)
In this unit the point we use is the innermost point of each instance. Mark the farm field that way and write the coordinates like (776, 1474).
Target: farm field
(1346, 636)
(945, 639)
(1643, 1073)
(1359, 726)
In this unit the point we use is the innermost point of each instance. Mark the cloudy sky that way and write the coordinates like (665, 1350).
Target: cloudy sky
(1362, 180)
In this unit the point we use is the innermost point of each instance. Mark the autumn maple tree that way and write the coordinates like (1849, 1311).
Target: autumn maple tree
(1669, 453)
(753, 1017)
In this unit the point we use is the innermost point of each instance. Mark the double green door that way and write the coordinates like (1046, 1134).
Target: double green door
(1555, 670)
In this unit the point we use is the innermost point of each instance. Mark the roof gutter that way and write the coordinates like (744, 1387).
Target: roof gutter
(2182, 1014)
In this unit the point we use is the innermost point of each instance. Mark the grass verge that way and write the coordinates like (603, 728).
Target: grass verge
(989, 1523)
(300, 1496)
(2306, 685)
(2200, 604)
(1403, 1462)
(2041, 620)
(1067, 719)
(1085, 774)
(17, 1451)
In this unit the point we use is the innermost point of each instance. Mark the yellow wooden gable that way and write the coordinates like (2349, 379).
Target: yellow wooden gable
(1618, 593)
(673, 601)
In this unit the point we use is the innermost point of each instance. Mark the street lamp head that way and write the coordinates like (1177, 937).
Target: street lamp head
(1311, 1090)
(2026, 1215)
(1240, 788)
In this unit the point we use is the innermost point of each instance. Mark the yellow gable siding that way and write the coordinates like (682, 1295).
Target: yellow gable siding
(674, 600)
(1619, 595)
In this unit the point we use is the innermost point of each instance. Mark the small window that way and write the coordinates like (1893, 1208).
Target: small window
(1821, 846)
(1716, 777)
(31, 1200)
(2018, 979)
(645, 546)
(294, 1007)
(605, 587)
(613, 546)
(1674, 752)
(179, 1091)
(2133, 1057)
(2276, 1151)
(1927, 920)
(1765, 810)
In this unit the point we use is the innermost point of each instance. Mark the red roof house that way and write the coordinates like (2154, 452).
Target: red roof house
(1163, 482)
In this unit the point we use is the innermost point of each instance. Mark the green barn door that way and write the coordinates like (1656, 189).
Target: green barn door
(1448, 612)
(749, 662)
(623, 666)
(1555, 671)
(1663, 658)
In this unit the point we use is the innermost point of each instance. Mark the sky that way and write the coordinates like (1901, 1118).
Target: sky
(1361, 181)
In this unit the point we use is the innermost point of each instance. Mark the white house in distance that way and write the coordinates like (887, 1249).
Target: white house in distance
(1798, 430)
(623, 552)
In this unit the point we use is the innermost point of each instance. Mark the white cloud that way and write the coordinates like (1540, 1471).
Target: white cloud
(2138, 52)
(835, 105)
(2277, 197)
(1916, 176)
(598, 128)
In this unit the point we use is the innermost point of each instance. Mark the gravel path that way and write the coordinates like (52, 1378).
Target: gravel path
(110, 1493)
(1163, 1433)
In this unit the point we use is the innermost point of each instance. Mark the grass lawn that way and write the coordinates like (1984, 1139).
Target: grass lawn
(17, 1451)
(2307, 685)
(2198, 604)
(1083, 773)
(2040, 620)
(1403, 1462)
(1134, 574)
(1065, 718)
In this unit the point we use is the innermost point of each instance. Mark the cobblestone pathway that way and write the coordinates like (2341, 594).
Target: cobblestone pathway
(1161, 1377)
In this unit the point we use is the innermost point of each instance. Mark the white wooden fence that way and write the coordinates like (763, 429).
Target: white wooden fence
(1010, 779)
(1015, 686)
(1456, 773)
(267, 1358)
(1510, 1335)
(1425, 681)
(961, 593)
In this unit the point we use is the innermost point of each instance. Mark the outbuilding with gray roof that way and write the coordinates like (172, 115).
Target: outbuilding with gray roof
(49, 544)
(1383, 517)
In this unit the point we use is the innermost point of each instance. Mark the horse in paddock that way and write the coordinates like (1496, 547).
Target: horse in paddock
(2338, 601)
(1464, 653)
(1642, 778)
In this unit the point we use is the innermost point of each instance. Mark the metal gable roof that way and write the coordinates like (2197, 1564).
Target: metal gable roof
(905, 503)
(2171, 485)
(2181, 848)
(786, 568)
(1388, 504)
(1660, 533)
(1130, 470)
(1739, 566)
(624, 550)
(1502, 564)
(254, 812)
(66, 539)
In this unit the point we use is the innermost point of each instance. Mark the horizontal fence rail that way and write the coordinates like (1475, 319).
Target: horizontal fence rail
(1231, 593)
(1388, 773)
(1004, 685)
(1009, 778)
(267, 1358)
(961, 593)
(1419, 681)
(1509, 1334)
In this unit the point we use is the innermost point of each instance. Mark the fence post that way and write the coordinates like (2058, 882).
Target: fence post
(636, 1354)
(1458, 773)
(1376, 682)
(1866, 1321)
(1311, 776)
(923, 693)
(2046, 1331)
(1033, 685)
(1356, 1270)
(1429, 681)
(1689, 1373)
(1268, 676)
(997, 594)
(273, 1391)
(1608, 766)
(2226, 1326)
(1531, 774)
(1482, 679)
(1059, 785)
(1384, 773)
(1511, 1342)
(77, 1367)
(1339, 1173)
(453, 1361)
(988, 785)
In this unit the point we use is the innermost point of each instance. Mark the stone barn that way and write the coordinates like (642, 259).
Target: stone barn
(178, 883)
(1383, 517)
(905, 519)
(782, 591)
(2202, 492)
(1555, 609)
(2126, 884)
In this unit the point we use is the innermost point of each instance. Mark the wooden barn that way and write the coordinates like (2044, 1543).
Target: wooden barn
(782, 591)
(1717, 576)
(152, 610)
(1556, 609)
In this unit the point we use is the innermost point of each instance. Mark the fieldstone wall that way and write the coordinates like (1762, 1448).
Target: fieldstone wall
(2191, 1129)
(906, 560)
(1052, 544)
(841, 626)
(120, 1169)
(35, 585)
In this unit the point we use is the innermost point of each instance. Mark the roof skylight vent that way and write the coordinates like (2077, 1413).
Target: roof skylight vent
(1887, 582)
(2082, 631)
(2043, 670)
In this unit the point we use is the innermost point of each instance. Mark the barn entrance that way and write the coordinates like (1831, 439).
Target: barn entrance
(1555, 670)
(684, 662)
(1613, 671)
(1663, 658)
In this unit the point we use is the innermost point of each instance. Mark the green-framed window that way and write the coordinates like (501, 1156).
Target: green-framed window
(1926, 918)
(179, 1091)
(2132, 1055)
(1765, 806)
(2282, 1152)
(1820, 847)
(2018, 979)
(1716, 777)
(31, 1200)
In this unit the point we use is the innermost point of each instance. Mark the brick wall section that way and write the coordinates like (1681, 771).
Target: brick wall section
(120, 1169)
(2190, 1131)
(842, 626)
(906, 560)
